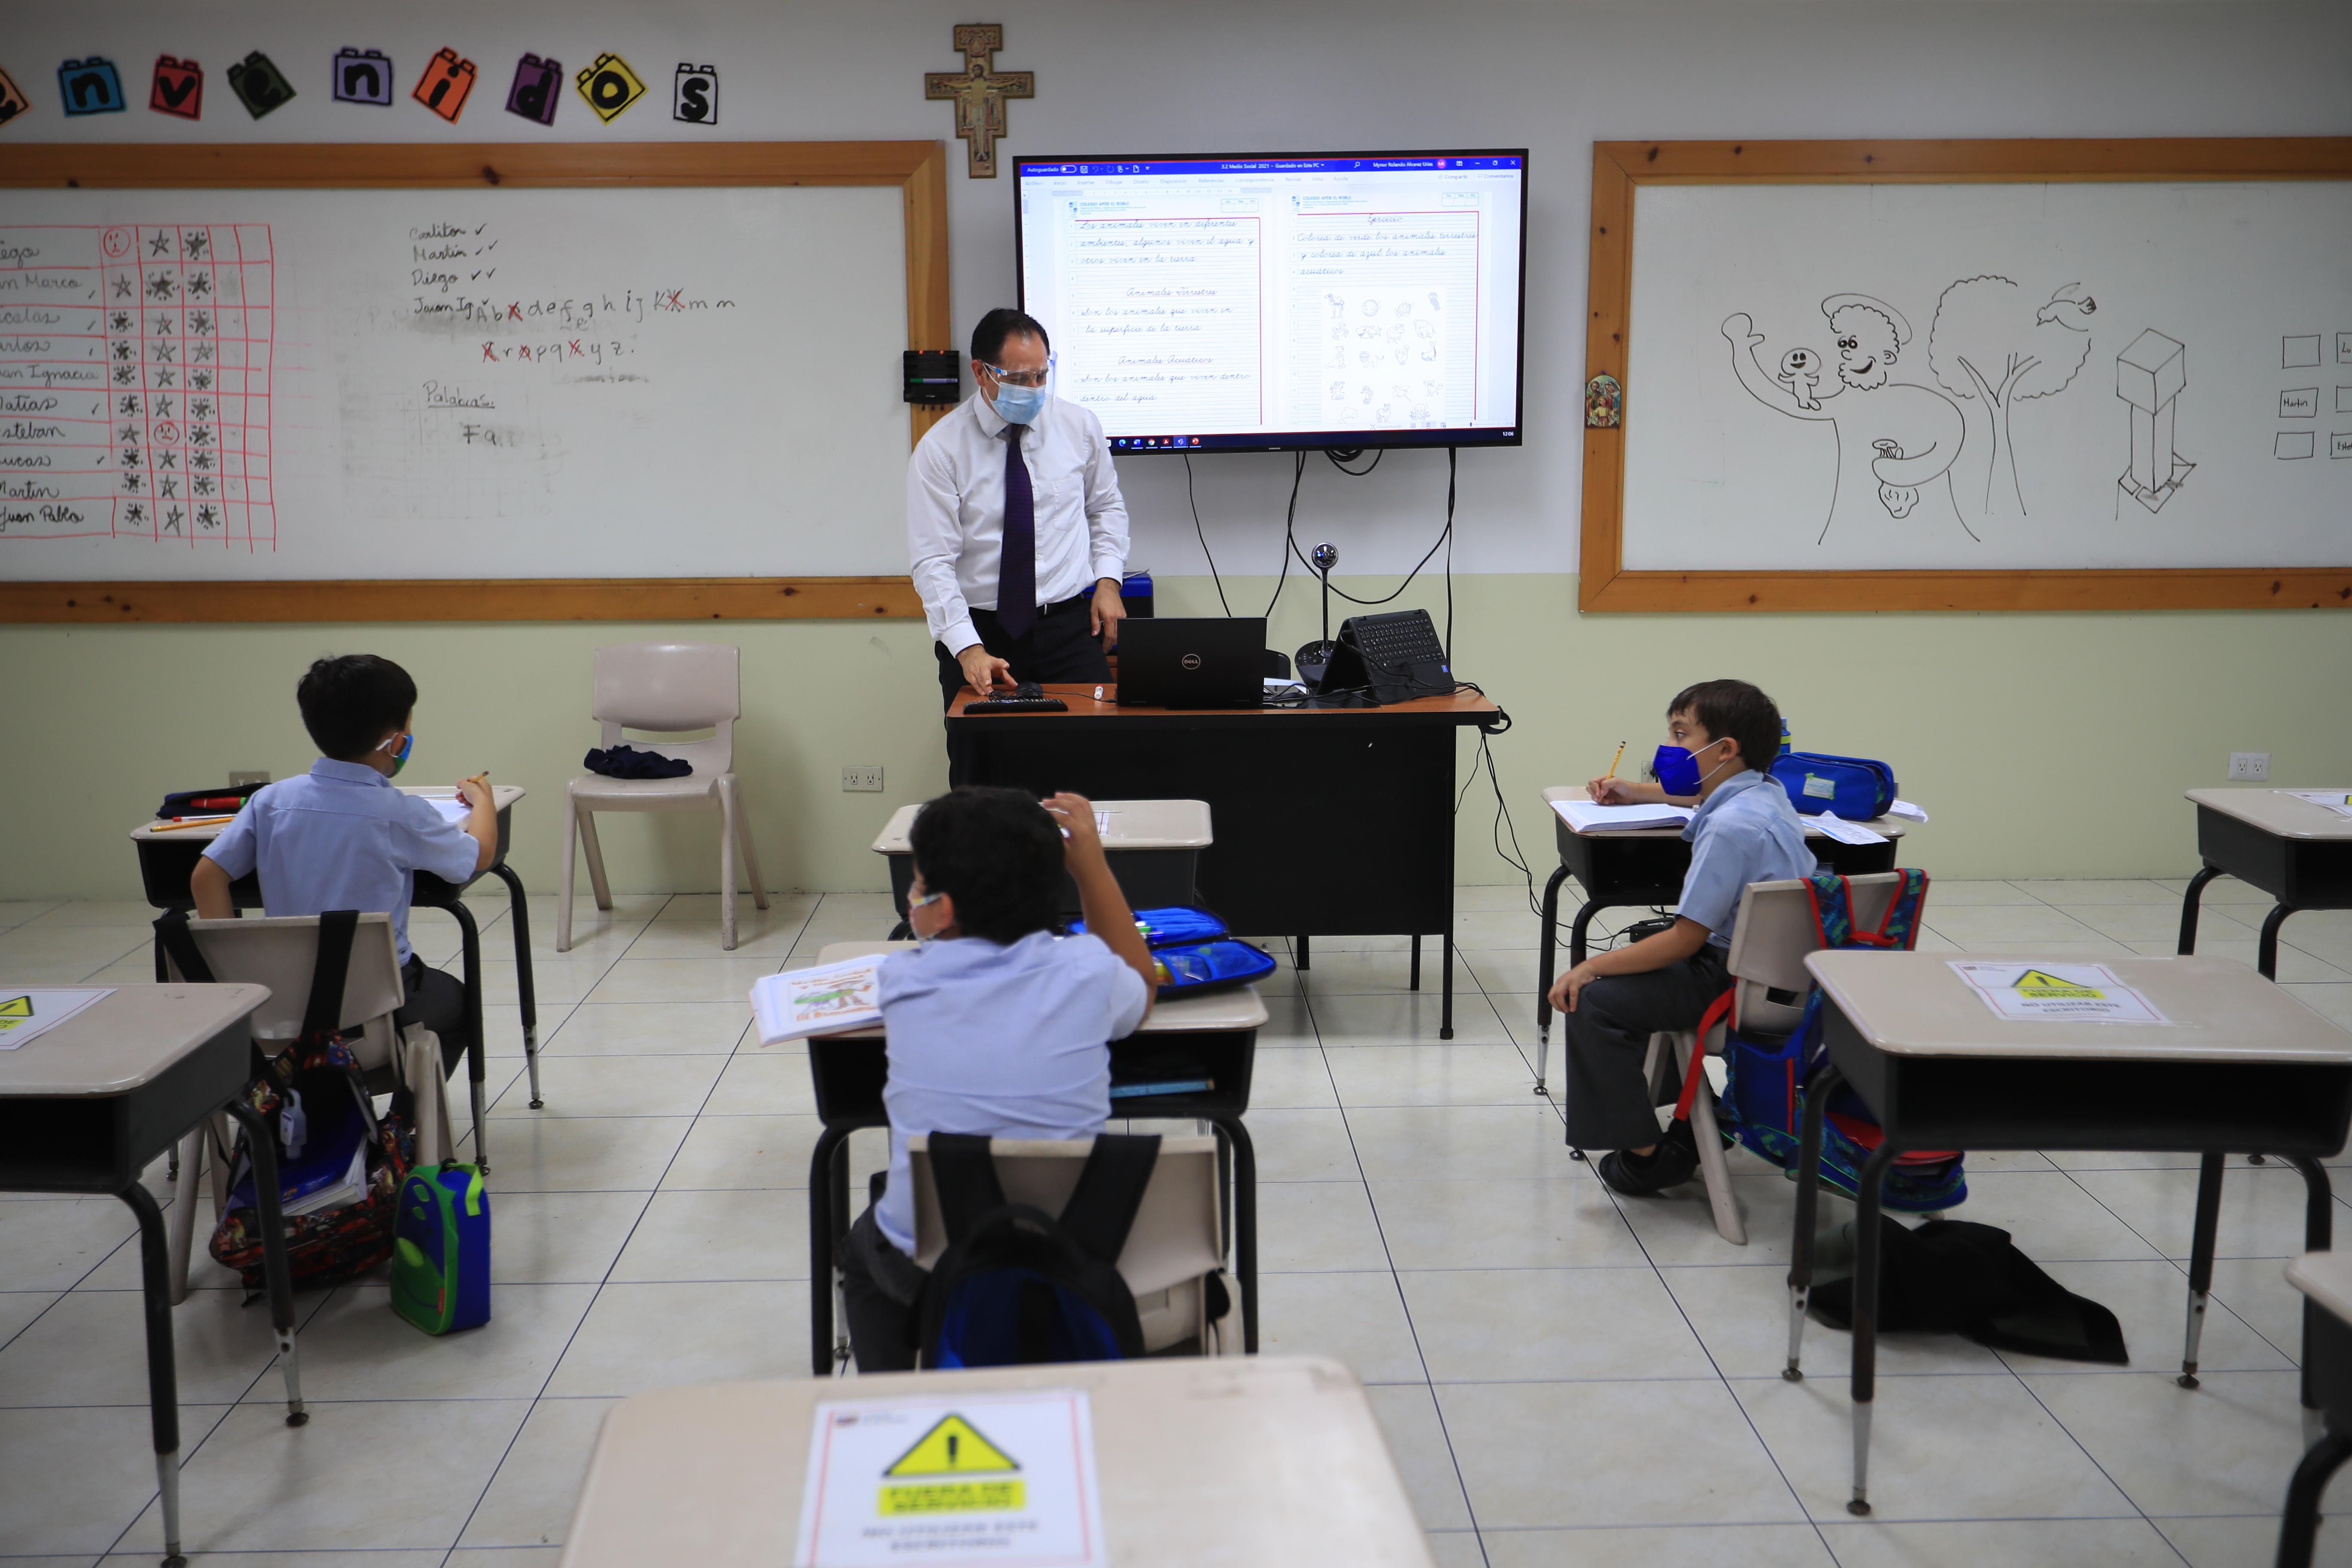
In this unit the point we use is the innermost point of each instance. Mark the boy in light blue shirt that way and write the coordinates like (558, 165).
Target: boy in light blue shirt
(342, 838)
(996, 1027)
(1744, 831)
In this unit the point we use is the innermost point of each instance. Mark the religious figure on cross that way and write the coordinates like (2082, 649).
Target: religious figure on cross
(980, 92)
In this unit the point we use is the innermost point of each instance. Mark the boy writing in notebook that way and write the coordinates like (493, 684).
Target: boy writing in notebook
(342, 838)
(996, 1027)
(1720, 734)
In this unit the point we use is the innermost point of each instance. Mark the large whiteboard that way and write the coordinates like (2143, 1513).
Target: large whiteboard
(452, 384)
(2066, 375)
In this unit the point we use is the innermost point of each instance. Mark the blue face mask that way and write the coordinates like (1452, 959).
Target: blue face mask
(400, 757)
(1677, 770)
(1018, 405)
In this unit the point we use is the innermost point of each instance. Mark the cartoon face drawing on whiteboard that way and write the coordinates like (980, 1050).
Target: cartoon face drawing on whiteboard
(1895, 441)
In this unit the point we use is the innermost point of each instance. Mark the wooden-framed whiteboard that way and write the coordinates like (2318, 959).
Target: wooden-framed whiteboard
(1971, 375)
(655, 296)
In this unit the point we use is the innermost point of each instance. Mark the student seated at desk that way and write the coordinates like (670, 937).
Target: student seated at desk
(1745, 831)
(995, 1026)
(342, 838)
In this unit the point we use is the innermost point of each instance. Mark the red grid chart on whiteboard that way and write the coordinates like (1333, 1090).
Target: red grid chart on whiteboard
(134, 383)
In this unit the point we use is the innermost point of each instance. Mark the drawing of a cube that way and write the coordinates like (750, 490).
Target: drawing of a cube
(695, 96)
(259, 85)
(2150, 375)
(13, 101)
(445, 84)
(179, 89)
(610, 87)
(536, 89)
(90, 87)
(363, 76)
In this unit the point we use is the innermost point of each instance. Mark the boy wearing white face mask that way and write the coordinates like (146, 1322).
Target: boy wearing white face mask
(1745, 831)
(342, 838)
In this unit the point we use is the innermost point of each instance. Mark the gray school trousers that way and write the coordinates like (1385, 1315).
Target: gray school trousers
(1606, 1039)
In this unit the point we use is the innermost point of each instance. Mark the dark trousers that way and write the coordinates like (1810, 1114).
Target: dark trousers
(1058, 647)
(1606, 1039)
(437, 999)
(879, 1287)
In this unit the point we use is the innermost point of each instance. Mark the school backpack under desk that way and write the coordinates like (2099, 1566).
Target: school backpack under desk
(1764, 1098)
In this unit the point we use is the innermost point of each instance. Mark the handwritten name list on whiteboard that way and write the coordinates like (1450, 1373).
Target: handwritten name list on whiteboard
(134, 383)
(465, 383)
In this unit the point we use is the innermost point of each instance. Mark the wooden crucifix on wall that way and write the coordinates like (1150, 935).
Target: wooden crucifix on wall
(980, 91)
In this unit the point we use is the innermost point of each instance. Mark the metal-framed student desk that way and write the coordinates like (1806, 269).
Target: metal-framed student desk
(1641, 867)
(1213, 1037)
(85, 1105)
(2241, 1065)
(1153, 847)
(2326, 1280)
(2297, 852)
(1330, 821)
(167, 859)
(1198, 1460)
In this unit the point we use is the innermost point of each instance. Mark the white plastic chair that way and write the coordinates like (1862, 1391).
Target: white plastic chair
(1774, 930)
(281, 953)
(1172, 1249)
(664, 687)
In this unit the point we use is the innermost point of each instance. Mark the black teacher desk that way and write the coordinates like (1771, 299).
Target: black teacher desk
(1330, 821)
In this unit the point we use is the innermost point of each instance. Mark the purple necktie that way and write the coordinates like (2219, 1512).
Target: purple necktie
(1016, 567)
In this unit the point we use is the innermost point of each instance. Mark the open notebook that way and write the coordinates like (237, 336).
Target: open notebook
(802, 1001)
(1585, 816)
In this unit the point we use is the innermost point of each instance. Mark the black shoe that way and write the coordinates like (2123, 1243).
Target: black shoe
(1674, 1161)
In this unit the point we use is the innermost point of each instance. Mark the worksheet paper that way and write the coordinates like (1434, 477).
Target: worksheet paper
(454, 808)
(2336, 800)
(26, 1013)
(1908, 812)
(1003, 1479)
(799, 1001)
(1845, 832)
(1585, 816)
(2060, 993)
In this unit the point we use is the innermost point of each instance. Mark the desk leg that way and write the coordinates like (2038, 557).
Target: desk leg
(1299, 946)
(1548, 935)
(2318, 1235)
(274, 1269)
(163, 1374)
(526, 991)
(471, 936)
(1413, 980)
(1865, 1314)
(1245, 1225)
(2266, 946)
(2299, 1524)
(821, 1205)
(2189, 905)
(1801, 1242)
(2201, 1260)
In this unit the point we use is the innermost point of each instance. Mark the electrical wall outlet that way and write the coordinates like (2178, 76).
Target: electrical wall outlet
(237, 781)
(2254, 766)
(865, 777)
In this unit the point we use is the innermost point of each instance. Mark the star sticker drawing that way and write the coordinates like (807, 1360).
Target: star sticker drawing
(122, 351)
(196, 241)
(160, 245)
(134, 512)
(168, 488)
(980, 92)
(131, 459)
(202, 321)
(204, 351)
(202, 459)
(163, 351)
(167, 459)
(159, 286)
(199, 436)
(124, 375)
(160, 327)
(130, 405)
(200, 283)
(201, 486)
(171, 520)
(201, 380)
(122, 290)
(121, 321)
(202, 408)
(208, 516)
(161, 409)
(132, 483)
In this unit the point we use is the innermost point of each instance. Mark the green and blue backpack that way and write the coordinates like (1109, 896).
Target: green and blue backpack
(441, 1249)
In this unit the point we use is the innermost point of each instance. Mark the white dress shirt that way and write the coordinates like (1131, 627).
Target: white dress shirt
(955, 512)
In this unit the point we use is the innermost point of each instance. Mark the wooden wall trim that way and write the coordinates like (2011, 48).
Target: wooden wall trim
(1620, 168)
(472, 599)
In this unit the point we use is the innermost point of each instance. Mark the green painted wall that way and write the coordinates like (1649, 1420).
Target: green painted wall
(2043, 744)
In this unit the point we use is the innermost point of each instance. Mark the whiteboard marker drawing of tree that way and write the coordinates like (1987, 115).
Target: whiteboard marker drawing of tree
(1992, 351)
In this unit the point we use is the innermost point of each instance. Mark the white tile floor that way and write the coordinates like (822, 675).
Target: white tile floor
(1565, 1376)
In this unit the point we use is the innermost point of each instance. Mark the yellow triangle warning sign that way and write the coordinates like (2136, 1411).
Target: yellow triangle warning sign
(2033, 983)
(22, 1007)
(953, 1447)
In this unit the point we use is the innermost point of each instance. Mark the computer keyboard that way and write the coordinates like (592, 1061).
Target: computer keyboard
(1395, 642)
(1027, 698)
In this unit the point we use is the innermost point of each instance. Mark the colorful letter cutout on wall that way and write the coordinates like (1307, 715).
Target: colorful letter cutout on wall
(13, 101)
(694, 98)
(363, 76)
(538, 84)
(610, 87)
(445, 84)
(259, 85)
(90, 87)
(179, 89)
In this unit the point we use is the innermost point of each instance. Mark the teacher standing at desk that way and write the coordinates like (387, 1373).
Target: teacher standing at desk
(1015, 526)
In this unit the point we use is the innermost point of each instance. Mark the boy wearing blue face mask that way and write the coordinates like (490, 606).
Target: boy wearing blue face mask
(1745, 831)
(340, 836)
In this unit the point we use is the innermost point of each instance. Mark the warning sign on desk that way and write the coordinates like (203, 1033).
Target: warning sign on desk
(1001, 1479)
(2085, 992)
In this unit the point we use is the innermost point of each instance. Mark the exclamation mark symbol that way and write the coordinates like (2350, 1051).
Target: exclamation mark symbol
(952, 1441)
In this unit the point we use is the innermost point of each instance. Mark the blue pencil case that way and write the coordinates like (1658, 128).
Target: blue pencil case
(1191, 970)
(1173, 925)
(1855, 788)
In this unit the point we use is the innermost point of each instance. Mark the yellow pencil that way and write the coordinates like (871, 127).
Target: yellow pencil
(1615, 761)
(191, 822)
